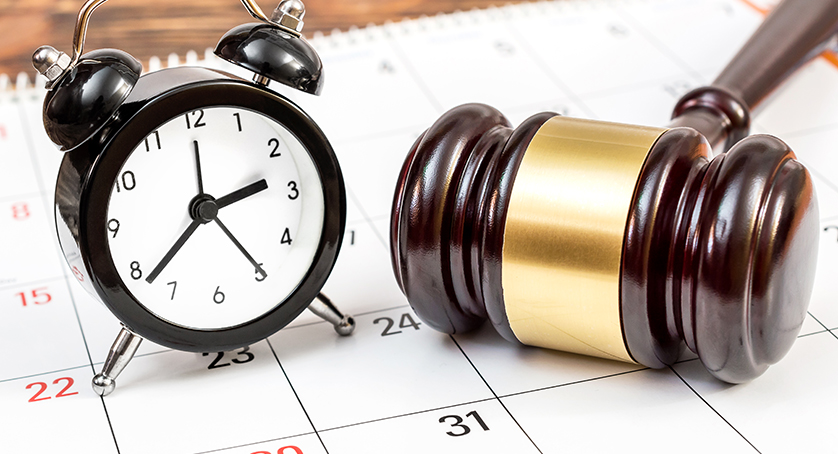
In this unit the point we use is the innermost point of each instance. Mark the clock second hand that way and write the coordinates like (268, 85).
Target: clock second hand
(241, 248)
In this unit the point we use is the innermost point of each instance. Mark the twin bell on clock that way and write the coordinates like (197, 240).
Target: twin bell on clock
(205, 211)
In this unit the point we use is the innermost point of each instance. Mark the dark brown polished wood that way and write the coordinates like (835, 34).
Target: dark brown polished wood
(160, 27)
(718, 253)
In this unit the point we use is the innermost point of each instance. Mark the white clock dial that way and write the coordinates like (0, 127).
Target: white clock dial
(236, 255)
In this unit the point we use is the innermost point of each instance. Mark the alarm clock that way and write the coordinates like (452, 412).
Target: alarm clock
(205, 211)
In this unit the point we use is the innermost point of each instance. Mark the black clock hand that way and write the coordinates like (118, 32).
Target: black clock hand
(198, 167)
(190, 229)
(241, 248)
(242, 193)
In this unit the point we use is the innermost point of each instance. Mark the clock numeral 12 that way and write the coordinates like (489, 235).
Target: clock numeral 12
(199, 121)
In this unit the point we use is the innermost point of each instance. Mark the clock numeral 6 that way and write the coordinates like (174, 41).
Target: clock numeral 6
(218, 296)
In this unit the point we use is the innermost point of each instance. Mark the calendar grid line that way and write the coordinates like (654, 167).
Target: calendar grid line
(514, 419)
(28, 283)
(254, 443)
(559, 83)
(575, 382)
(297, 396)
(24, 377)
(660, 46)
(830, 330)
(18, 197)
(36, 167)
(364, 214)
(712, 408)
(402, 415)
(416, 78)
(813, 130)
(823, 179)
(359, 314)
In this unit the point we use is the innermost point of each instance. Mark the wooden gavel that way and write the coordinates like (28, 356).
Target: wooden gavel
(621, 241)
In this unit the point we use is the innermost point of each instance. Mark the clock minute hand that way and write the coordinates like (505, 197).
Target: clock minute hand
(190, 229)
(242, 193)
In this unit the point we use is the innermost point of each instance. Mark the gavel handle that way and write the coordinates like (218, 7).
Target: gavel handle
(795, 32)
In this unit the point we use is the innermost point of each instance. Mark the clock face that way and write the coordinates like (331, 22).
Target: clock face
(215, 218)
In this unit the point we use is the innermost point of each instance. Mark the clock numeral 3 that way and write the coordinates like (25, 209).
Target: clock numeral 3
(198, 117)
(294, 191)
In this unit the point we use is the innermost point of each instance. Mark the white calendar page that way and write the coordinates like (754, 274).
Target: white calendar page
(412, 389)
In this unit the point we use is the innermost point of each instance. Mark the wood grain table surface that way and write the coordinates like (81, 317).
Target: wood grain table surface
(145, 28)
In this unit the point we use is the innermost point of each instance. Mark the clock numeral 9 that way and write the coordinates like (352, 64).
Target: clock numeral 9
(275, 152)
(128, 181)
(113, 226)
(136, 273)
(294, 191)
(218, 296)
(199, 121)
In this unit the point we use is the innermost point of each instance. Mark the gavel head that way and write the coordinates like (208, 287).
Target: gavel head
(610, 240)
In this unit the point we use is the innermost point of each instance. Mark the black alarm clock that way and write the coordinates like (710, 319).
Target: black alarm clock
(205, 211)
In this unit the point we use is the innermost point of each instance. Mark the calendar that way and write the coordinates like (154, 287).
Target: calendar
(396, 385)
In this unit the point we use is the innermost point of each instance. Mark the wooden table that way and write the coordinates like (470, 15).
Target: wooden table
(159, 27)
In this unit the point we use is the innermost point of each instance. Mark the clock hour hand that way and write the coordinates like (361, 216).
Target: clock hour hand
(242, 193)
(241, 248)
(190, 229)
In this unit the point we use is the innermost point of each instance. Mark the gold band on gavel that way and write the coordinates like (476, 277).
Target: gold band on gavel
(564, 234)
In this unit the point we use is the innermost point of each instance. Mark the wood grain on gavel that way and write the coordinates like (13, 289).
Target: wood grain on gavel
(160, 27)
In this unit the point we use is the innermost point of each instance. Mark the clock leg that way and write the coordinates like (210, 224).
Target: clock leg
(325, 309)
(121, 352)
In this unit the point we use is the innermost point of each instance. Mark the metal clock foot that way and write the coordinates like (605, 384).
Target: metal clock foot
(121, 352)
(325, 309)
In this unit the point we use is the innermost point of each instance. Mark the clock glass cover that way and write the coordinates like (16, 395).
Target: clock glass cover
(215, 218)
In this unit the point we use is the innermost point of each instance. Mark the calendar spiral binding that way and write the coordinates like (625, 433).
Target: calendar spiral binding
(336, 38)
